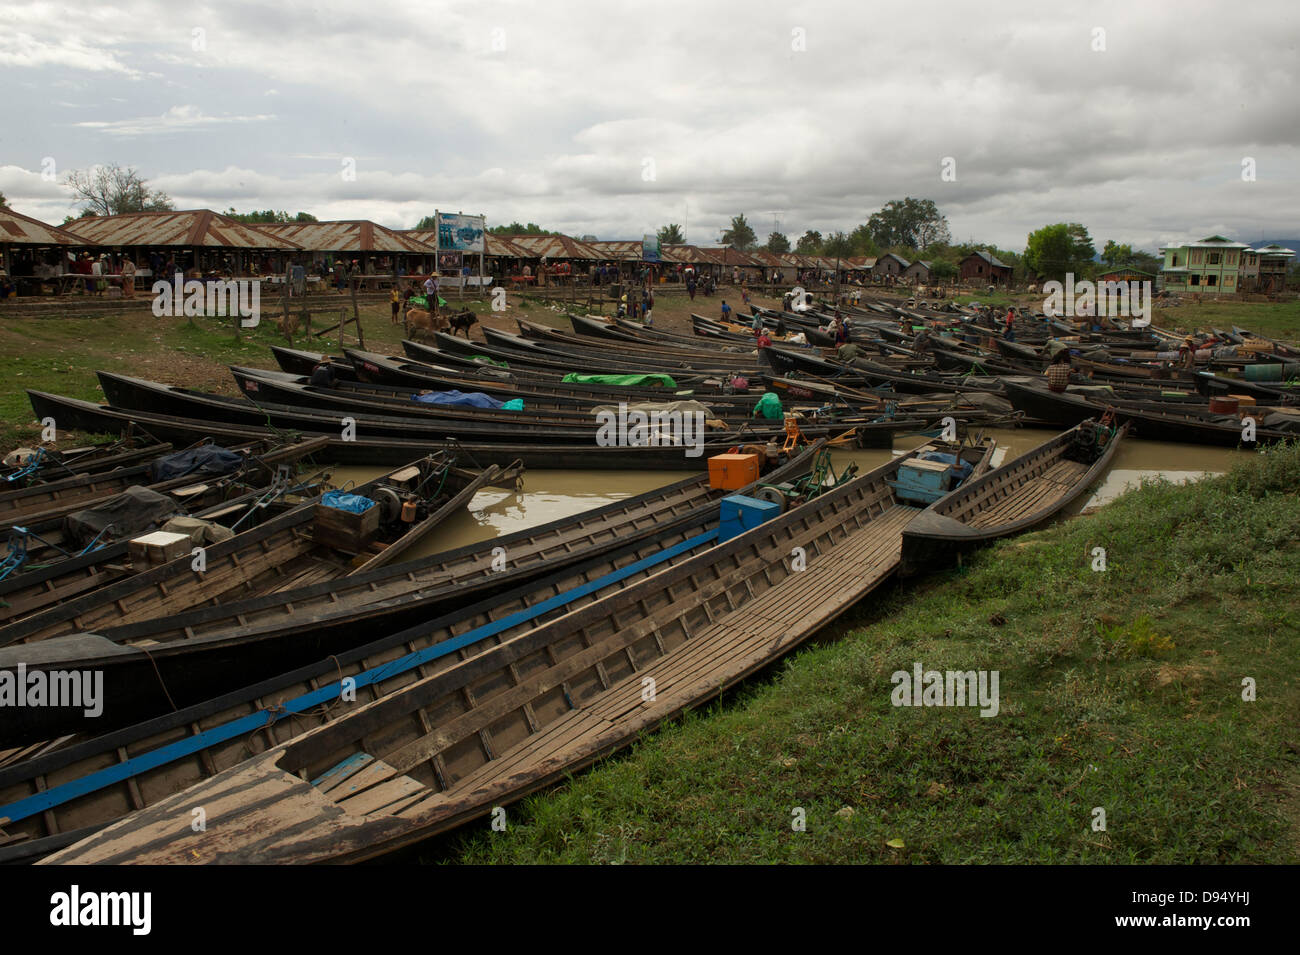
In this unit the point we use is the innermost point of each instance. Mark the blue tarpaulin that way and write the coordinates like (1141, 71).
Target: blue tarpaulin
(343, 501)
(472, 399)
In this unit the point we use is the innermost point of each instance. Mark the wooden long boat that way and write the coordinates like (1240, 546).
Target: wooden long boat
(55, 464)
(575, 344)
(152, 665)
(384, 369)
(54, 582)
(298, 362)
(635, 352)
(1067, 409)
(136, 394)
(370, 450)
(37, 514)
(54, 499)
(528, 362)
(1019, 495)
(288, 390)
(287, 551)
(85, 784)
(426, 756)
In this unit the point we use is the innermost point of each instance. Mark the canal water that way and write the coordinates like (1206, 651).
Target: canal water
(551, 495)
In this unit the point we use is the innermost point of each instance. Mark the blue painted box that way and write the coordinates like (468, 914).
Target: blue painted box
(741, 513)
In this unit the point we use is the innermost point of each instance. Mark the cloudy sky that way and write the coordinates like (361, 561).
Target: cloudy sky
(615, 118)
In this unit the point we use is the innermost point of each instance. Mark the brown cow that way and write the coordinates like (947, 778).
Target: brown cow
(419, 320)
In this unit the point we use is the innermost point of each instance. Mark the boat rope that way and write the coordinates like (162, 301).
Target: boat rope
(245, 725)
(163, 685)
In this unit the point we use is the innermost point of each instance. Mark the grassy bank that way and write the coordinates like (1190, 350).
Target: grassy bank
(1120, 690)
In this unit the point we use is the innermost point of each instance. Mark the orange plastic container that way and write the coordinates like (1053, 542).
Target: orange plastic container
(731, 472)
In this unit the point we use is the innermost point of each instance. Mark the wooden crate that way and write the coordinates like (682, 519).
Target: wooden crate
(158, 547)
(344, 530)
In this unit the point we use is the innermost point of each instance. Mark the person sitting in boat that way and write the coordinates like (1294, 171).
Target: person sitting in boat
(848, 352)
(764, 343)
(921, 342)
(1058, 372)
(322, 376)
(781, 329)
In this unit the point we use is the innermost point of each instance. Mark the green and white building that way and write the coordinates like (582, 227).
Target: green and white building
(1211, 266)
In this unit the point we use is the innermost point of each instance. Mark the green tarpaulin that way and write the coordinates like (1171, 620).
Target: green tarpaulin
(769, 406)
(627, 381)
(422, 301)
(490, 361)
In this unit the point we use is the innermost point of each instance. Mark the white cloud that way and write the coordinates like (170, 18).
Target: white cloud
(176, 119)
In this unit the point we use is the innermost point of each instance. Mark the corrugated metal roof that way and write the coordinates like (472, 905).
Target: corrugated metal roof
(623, 250)
(18, 229)
(554, 247)
(767, 259)
(194, 227)
(501, 247)
(349, 235)
(990, 259)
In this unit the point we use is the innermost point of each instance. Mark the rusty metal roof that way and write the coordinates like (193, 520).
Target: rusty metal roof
(623, 250)
(769, 260)
(18, 229)
(349, 235)
(554, 247)
(194, 227)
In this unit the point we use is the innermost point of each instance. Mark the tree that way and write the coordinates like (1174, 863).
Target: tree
(740, 235)
(3, 200)
(514, 228)
(810, 243)
(1055, 250)
(111, 190)
(268, 215)
(671, 234)
(1116, 255)
(778, 242)
(837, 246)
(912, 223)
(943, 270)
(861, 242)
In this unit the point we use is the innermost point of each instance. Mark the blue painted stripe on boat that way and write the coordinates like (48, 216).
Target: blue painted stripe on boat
(341, 767)
(245, 725)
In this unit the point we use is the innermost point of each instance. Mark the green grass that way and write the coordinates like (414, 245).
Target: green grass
(1272, 319)
(1120, 690)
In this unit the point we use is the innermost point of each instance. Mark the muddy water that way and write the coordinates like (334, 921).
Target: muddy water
(551, 495)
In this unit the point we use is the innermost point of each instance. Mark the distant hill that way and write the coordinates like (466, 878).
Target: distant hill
(1293, 244)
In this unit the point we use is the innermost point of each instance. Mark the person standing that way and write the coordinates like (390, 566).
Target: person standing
(431, 294)
(396, 301)
(128, 277)
(726, 311)
(1011, 326)
(763, 343)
